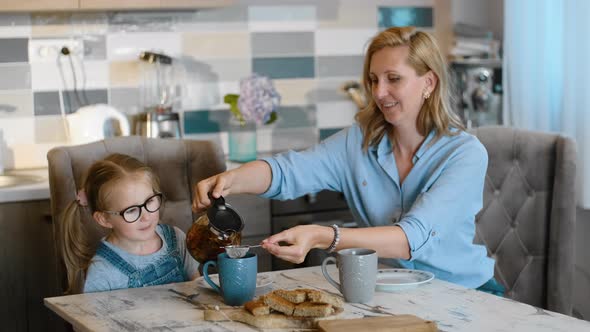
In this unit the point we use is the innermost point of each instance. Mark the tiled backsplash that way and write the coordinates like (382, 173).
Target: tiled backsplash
(309, 48)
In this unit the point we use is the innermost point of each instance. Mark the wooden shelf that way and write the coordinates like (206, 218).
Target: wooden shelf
(119, 5)
(37, 5)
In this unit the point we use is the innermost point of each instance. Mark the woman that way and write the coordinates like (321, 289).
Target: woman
(412, 177)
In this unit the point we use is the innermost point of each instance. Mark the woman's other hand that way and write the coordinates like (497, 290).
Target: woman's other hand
(300, 240)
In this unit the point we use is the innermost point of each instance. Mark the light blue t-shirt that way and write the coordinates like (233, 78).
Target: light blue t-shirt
(435, 206)
(103, 276)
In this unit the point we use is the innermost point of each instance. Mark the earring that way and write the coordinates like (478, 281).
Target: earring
(426, 95)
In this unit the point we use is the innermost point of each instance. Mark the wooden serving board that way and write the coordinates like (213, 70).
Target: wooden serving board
(405, 323)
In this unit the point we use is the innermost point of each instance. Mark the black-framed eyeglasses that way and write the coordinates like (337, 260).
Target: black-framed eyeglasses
(132, 213)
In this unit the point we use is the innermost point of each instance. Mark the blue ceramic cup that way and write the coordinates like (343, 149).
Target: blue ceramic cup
(237, 278)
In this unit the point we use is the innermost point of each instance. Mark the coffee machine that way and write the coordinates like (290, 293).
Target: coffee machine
(158, 97)
(478, 91)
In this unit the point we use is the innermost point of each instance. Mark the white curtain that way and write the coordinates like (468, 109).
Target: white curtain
(546, 73)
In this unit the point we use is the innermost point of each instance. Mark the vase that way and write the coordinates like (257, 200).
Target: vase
(242, 141)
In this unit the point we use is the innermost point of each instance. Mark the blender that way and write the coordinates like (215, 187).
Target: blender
(158, 95)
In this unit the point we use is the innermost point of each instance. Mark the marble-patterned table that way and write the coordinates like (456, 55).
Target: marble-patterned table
(179, 307)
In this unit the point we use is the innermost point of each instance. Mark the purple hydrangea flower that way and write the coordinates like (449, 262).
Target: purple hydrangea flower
(258, 99)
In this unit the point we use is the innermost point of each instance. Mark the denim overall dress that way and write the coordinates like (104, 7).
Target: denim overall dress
(165, 270)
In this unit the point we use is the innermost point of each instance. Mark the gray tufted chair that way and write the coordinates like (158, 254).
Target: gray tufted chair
(180, 164)
(528, 218)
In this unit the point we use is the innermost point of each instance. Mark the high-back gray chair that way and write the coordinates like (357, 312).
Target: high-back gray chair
(528, 218)
(180, 164)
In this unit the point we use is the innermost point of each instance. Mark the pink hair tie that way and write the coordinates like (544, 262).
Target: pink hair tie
(81, 198)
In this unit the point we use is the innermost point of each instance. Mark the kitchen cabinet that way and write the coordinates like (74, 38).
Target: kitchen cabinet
(195, 3)
(151, 4)
(323, 208)
(84, 5)
(255, 212)
(264, 257)
(27, 267)
(37, 5)
(117, 4)
(443, 25)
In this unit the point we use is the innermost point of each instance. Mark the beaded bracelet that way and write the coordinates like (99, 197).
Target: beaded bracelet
(336, 238)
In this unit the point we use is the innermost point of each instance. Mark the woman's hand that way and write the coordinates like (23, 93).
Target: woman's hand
(300, 240)
(251, 178)
(217, 185)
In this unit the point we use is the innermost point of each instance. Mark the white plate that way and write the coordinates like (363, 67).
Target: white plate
(397, 279)
(262, 280)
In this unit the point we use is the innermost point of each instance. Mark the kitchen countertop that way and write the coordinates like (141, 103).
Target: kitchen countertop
(292, 139)
(40, 190)
(29, 191)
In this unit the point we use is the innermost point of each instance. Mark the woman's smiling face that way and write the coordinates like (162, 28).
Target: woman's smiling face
(396, 88)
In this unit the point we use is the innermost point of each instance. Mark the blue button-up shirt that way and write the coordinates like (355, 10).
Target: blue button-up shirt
(435, 205)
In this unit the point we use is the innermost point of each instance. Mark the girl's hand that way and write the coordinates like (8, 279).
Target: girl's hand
(300, 240)
(217, 185)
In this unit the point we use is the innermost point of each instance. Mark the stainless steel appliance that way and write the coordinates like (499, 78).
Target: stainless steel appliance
(158, 125)
(479, 91)
(324, 208)
(159, 97)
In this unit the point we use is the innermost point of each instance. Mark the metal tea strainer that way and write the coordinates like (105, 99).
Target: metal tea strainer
(238, 251)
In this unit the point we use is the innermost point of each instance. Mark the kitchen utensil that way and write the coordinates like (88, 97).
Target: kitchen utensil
(95, 122)
(238, 251)
(221, 226)
(405, 323)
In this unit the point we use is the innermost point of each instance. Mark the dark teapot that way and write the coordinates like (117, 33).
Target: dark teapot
(219, 227)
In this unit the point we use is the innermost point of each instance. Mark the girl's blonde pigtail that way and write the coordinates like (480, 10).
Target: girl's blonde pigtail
(75, 247)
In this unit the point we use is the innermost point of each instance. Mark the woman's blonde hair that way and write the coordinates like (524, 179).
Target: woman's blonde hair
(76, 248)
(424, 55)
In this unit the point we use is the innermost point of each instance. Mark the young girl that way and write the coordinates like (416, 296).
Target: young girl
(124, 196)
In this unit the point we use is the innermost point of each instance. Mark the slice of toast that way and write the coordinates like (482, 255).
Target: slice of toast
(323, 297)
(278, 303)
(313, 309)
(272, 321)
(293, 296)
(257, 307)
